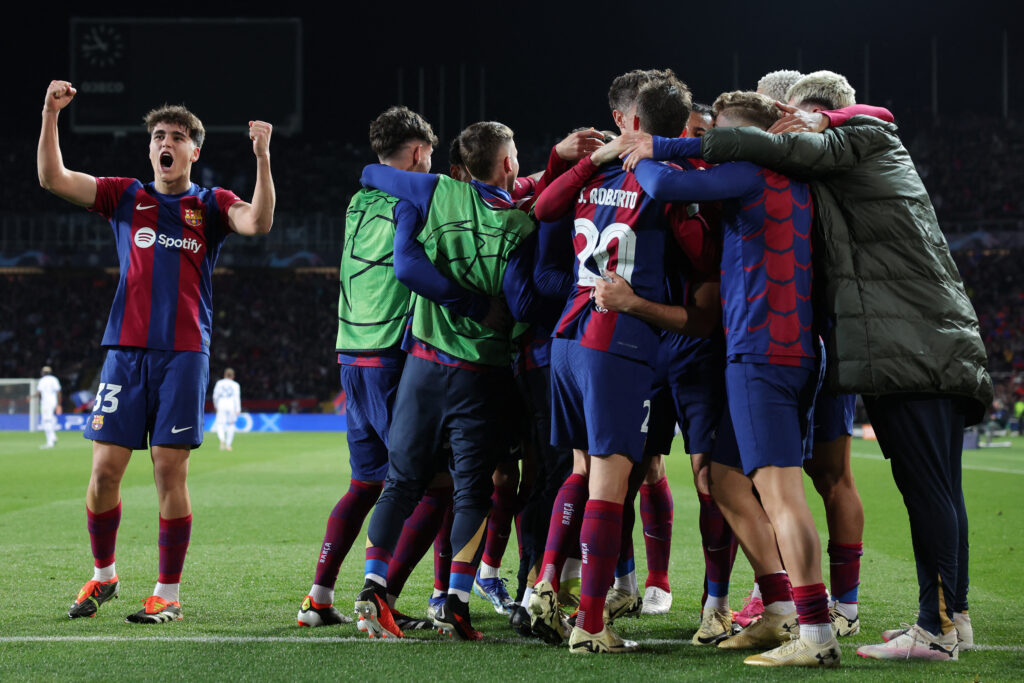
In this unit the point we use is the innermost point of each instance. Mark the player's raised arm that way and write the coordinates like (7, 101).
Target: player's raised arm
(258, 217)
(78, 188)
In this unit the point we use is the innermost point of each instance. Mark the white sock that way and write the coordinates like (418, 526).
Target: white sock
(780, 607)
(220, 434)
(819, 634)
(377, 579)
(526, 595)
(461, 595)
(571, 569)
(231, 434)
(437, 593)
(756, 593)
(627, 583)
(167, 591)
(102, 574)
(322, 595)
(51, 436)
(487, 571)
(847, 609)
(721, 603)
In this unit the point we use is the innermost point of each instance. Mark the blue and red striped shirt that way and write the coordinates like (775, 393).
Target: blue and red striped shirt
(766, 253)
(167, 246)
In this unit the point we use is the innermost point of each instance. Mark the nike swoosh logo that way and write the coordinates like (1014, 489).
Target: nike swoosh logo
(176, 430)
(140, 207)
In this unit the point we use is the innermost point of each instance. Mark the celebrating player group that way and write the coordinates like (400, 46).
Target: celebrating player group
(520, 350)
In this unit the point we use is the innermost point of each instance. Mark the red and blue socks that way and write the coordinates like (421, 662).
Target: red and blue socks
(719, 545)
(600, 537)
(418, 533)
(656, 512)
(776, 593)
(504, 504)
(173, 543)
(566, 520)
(844, 575)
(343, 527)
(812, 613)
(103, 538)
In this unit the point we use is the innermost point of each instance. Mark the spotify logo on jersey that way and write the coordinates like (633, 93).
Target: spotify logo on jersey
(145, 237)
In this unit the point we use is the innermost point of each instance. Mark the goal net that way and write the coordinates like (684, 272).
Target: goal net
(19, 403)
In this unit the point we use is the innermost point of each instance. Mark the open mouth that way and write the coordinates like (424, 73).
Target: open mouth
(166, 161)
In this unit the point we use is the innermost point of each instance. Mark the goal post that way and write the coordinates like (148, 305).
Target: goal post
(19, 397)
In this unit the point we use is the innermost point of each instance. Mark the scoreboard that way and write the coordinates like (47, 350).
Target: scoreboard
(227, 71)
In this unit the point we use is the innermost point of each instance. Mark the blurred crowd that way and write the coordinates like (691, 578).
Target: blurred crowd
(277, 327)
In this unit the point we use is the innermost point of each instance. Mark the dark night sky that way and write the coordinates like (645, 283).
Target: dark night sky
(548, 67)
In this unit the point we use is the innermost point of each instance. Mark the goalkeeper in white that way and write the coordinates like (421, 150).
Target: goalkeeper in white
(227, 399)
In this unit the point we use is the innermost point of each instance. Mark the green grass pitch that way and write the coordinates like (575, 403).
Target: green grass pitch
(259, 517)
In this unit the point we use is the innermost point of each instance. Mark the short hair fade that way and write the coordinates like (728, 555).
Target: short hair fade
(755, 109)
(776, 84)
(480, 144)
(663, 107)
(823, 88)
(177, 114)
(397, 126)
(625, 88)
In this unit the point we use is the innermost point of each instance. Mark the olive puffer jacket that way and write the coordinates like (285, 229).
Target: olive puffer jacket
(902, 322)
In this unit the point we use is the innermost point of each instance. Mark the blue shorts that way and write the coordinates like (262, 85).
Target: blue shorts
(150, 393)
(833, 415)
(600, 402)
(369, 401)
(769, 407)
(695, 401)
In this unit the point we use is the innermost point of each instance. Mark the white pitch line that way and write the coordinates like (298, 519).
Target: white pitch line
(348, 639)
(966, 466)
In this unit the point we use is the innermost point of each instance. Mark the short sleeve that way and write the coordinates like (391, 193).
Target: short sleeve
(225, 200)
(108, 194)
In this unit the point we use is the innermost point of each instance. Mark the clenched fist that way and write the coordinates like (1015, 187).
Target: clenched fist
(58, 95)
(259, 133)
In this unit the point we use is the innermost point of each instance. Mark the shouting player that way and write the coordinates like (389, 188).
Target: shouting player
(152, 389)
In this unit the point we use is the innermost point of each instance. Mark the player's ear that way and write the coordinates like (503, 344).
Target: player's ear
(619, 118)
(506, 164)
(417, 153)
(195, 154)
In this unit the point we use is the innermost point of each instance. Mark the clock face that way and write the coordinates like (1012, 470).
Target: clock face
(102, 45)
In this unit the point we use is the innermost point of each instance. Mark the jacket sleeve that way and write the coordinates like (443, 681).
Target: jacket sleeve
(800, 155)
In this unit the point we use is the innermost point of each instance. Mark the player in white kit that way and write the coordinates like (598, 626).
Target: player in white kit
(48, 390)
(227, 399)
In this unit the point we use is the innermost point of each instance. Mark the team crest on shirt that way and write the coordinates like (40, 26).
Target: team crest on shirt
(97, 422)
(194, 217)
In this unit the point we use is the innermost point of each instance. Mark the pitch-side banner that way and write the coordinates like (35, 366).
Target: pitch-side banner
(246, 422)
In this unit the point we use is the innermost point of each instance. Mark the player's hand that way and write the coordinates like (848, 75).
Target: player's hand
(58, 95)
(607, 153)
(498, 316)
(58, 410)
(577, 145)
(259, 133)
(637, 145)
(798, 121)
(613, 293)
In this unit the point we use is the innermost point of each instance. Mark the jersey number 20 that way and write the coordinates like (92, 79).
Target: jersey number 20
(612, 249)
